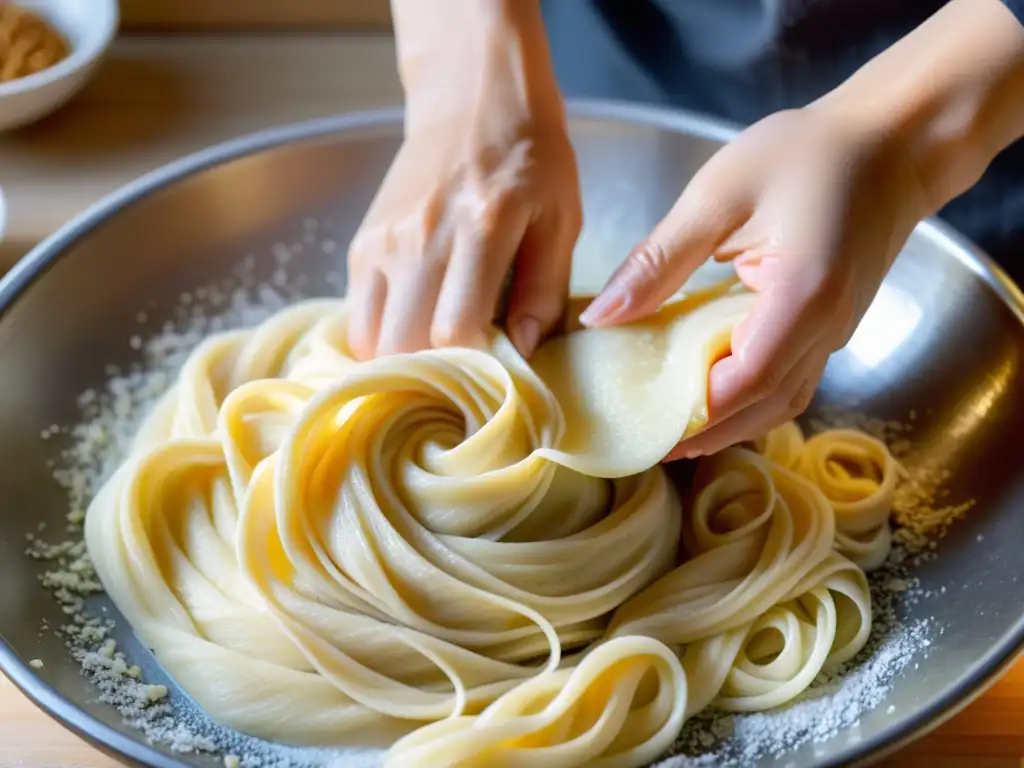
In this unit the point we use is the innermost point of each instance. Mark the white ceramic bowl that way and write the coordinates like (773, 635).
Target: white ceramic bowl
(89, 27)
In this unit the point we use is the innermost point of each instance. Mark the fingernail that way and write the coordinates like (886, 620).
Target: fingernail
(605, 307)
(756, 260)
(678, 454)
(756, 271)
(526, 335)
(725, 385)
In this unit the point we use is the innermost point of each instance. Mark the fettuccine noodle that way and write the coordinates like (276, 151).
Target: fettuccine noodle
(477, 561)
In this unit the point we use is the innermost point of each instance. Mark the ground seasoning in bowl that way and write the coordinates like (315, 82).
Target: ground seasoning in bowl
(28, 44)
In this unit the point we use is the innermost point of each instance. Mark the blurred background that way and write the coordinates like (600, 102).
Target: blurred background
(181, 76)
(184, 74)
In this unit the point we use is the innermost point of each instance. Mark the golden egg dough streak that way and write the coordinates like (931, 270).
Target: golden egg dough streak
(477, 561)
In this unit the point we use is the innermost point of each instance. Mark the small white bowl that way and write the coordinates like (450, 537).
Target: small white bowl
(89, 26)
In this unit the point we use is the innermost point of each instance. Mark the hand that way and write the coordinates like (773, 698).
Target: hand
(485, 179)
(811, 211)
(813, 205)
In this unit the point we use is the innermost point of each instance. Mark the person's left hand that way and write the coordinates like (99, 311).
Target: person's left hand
(812, 212)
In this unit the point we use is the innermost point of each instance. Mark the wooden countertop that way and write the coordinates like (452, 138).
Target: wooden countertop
(156, 99)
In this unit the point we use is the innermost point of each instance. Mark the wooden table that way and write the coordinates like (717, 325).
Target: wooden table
(158, 98)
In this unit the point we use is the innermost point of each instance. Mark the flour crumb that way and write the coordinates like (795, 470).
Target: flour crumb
(36, 664)
(153, 693)
(896, 585)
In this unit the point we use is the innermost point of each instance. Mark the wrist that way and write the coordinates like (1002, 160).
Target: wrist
(495, 54)
(950, 96)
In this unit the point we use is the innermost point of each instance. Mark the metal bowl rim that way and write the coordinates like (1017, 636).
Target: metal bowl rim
(108, 739)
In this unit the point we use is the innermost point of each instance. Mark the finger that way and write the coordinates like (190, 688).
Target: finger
(481, 259)
(412, 292)
(782, 327)
(365, 306)
(540, 284)
(788, 402)
(698, 223)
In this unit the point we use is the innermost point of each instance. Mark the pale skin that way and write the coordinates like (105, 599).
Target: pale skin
(811, 205)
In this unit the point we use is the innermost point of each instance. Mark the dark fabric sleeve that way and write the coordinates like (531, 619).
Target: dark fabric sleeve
(1016, 8)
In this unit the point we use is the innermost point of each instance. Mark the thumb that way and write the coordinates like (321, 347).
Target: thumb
(695, 227)
(540, 282)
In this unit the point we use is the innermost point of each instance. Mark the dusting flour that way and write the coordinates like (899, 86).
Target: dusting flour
(127, 677)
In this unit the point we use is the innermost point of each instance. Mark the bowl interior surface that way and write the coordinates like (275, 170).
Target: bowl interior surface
(944, 340)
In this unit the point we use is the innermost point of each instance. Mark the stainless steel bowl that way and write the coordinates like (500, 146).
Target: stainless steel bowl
(944, 338)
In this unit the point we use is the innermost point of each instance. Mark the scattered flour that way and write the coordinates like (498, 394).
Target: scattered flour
(835, 702)
(95, 445)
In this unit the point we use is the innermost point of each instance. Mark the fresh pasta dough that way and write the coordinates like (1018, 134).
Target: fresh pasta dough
(858, 476)
(478, 561)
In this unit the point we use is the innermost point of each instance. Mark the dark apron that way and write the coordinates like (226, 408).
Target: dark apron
(742, 63)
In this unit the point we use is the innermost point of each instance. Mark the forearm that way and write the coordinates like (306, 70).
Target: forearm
(951, 93)
(453, 53)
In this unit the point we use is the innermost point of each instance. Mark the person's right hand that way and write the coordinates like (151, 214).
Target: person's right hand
(485, 179)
